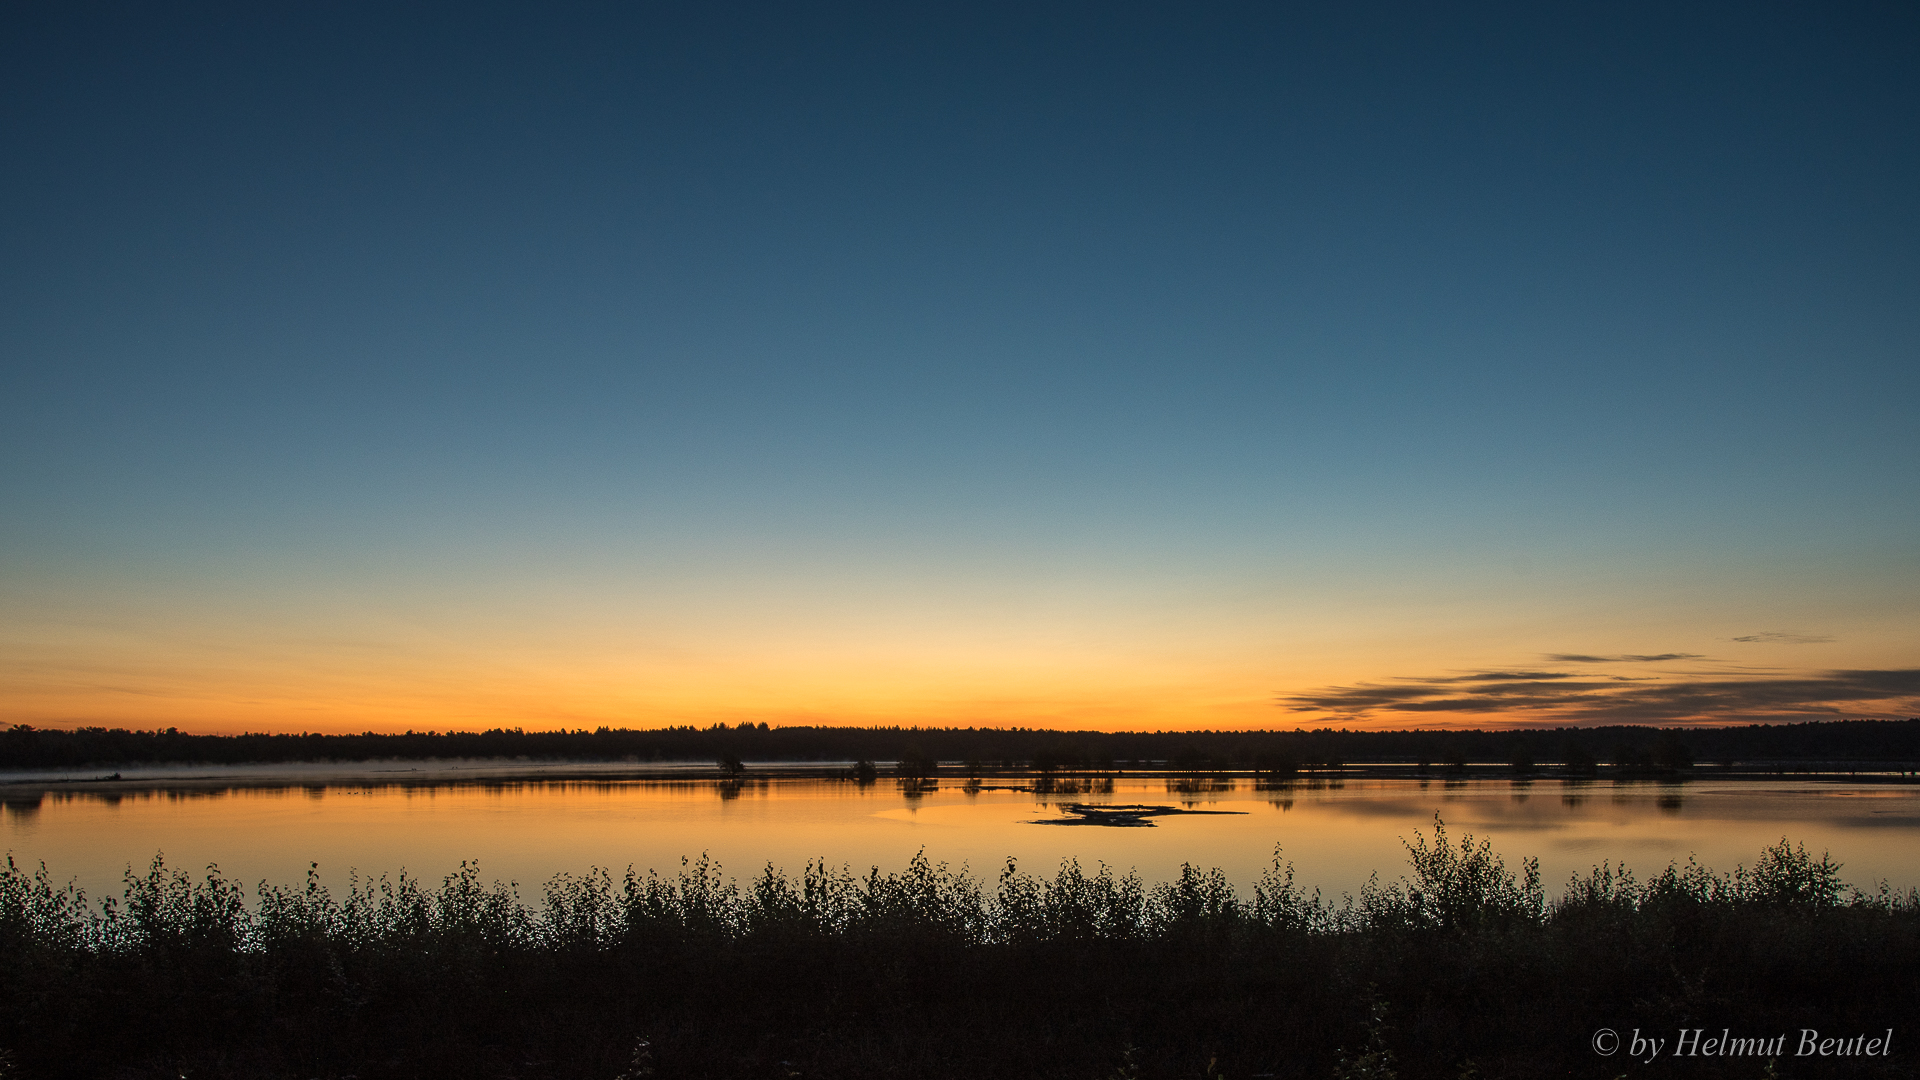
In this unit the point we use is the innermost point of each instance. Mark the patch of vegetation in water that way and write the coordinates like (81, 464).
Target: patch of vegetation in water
(1125, 817)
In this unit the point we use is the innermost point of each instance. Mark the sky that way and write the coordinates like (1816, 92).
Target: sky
(1115, 366)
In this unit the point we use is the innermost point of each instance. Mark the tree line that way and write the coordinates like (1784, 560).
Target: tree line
(1840, 743)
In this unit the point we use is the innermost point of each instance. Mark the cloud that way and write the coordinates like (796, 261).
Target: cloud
(1625, 658)
(1552, 696)
(1501, 676)
(1773, 637)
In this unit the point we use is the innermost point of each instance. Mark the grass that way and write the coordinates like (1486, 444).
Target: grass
(1462, 967)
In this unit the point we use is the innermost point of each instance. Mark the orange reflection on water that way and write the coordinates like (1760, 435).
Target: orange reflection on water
(1336, 834)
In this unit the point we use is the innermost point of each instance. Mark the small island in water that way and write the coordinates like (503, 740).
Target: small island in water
(1123, 817)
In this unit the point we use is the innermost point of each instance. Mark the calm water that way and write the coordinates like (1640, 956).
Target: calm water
(1335, 835)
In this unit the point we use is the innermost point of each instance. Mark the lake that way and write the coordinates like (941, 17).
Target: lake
(425, 818)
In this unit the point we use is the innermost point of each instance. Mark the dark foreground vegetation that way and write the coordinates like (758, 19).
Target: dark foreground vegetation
(1463, 969)
(1841, 744)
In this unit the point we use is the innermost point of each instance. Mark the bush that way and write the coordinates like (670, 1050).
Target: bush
(830, 973)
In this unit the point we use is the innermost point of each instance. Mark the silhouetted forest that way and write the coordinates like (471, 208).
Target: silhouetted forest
(1465, 968)
(1838, 743)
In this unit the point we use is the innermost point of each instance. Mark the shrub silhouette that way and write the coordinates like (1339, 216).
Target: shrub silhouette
(830, 972)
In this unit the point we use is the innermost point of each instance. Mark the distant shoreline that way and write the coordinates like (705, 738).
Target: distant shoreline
(119, 759)
(945, 775)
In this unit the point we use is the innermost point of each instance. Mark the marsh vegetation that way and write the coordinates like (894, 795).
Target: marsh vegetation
(1464, 966)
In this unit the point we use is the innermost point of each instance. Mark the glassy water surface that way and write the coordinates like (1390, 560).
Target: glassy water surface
(1336, 834)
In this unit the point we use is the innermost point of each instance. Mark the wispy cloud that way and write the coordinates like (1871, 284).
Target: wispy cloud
(1624, 658)
(1774, 637)
(1501, 676)
(1566, 698)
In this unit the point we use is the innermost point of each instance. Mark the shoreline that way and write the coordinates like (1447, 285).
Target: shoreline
(470, 771)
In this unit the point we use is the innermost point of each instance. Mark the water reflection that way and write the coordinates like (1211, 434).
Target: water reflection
(1194, 790)
(21, 810)
(1073, 785)
(1336, 832)
(1279, 791)
(1193, 785)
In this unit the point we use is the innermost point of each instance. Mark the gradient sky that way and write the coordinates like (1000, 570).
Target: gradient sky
(1116, 366)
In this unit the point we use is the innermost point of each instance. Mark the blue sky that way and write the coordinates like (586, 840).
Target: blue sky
(1117, 366)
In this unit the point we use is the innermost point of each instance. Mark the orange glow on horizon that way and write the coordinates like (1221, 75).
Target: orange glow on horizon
(227, 671)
